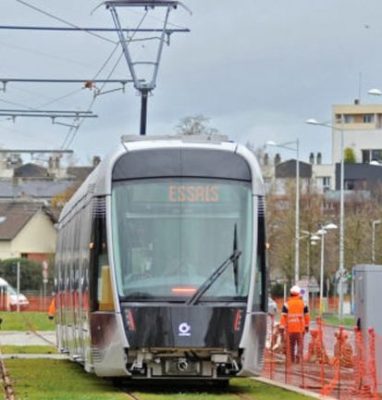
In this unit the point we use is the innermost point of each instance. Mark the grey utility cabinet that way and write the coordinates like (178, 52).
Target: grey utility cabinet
(367, 306)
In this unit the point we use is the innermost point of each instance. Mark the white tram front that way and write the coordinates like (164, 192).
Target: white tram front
(160, 262)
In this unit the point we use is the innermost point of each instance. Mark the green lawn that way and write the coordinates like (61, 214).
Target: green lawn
(30, 349)
(64, 380)
(24, 321)
(333, 319)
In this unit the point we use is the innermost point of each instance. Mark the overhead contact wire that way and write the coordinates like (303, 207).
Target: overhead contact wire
(26, 4)
(73, 131)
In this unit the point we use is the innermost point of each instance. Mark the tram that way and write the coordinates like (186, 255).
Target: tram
(160, 262)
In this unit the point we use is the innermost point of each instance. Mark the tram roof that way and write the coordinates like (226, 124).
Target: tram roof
(98, 182)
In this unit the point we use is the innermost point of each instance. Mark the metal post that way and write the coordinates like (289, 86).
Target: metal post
(308, 266)
(374, 223)
(342, 228)
(144, 97)
(373, 244)
(287, 146)
(322, 272)
(297, 216)
(18, 287)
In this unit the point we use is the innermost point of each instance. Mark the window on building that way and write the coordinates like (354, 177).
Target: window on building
(371, 155)
(355, 184)
(376, 155)
(366, 156)
(348, 119)
(326, 181)
(368, 118)
(379, 121)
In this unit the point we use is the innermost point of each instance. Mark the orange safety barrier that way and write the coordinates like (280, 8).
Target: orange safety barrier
(335, 361)
(36, 303)
(373, 363)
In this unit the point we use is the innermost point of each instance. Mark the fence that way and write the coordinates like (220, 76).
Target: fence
(333, 361)
(330, 303)
(35, 301)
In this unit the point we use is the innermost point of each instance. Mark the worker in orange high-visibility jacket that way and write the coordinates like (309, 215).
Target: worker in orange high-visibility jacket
(295, 321)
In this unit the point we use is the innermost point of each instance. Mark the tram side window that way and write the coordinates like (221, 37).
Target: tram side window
(98, 253)
(259, 298)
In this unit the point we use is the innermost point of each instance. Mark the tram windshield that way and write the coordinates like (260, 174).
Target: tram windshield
(169, 235)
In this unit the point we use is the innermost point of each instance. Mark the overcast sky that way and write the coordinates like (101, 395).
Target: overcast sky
(257, 69)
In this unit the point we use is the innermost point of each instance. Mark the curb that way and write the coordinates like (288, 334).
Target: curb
(292, 388)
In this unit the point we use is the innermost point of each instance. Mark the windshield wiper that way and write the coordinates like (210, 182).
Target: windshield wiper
(233, 258)
(235, 262)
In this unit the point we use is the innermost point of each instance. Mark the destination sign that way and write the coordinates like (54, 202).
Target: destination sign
(193, 193)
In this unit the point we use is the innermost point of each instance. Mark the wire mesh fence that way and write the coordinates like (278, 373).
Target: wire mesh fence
(334, 361)
(28, 301)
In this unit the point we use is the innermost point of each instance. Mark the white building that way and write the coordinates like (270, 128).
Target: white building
(362, 129)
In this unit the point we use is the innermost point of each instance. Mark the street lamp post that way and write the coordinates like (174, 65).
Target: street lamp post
(311, 239)
(341, 268)
(322, 232)
(287, 145)
(374, 92)
(374, 223)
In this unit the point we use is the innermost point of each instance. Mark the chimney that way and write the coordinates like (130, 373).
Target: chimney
(57, 162)
(96, 160)
(277, 159)
(356, 102)
(319, 158)
(311, 158)
(266, 159)
(50, 163)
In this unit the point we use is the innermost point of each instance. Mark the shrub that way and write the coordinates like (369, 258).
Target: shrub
(30, 273)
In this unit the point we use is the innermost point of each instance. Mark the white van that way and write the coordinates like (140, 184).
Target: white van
(9, 298)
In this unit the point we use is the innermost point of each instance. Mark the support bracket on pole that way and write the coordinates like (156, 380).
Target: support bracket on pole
(144, 86)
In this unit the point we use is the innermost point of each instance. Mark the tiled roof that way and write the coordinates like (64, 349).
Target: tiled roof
(79, 173)
(31, 171)
(15, 215)
(39, 189)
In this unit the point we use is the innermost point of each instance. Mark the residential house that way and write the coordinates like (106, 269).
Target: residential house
(26, 230)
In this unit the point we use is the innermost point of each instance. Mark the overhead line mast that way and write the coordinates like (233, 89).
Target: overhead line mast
(144, 87)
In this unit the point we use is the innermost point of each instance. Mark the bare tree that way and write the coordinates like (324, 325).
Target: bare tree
(195, 125)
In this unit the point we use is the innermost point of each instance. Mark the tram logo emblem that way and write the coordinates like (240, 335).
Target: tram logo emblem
(184, 329)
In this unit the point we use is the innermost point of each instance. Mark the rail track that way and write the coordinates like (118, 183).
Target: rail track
(132, 396)
(32, 329)
(7, 383)
(132, 391)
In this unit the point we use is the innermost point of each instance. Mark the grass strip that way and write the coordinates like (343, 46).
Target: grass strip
(348, 322)
(239, 387)
(64, 380)
(14, 321)
(58, 380)
(30, 349)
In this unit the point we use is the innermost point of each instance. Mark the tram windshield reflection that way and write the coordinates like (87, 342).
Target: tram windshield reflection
(170, 234)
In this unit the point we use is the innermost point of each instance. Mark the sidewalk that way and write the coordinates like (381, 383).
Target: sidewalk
(19, 338)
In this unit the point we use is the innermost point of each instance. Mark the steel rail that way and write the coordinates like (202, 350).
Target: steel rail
(32, 328)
